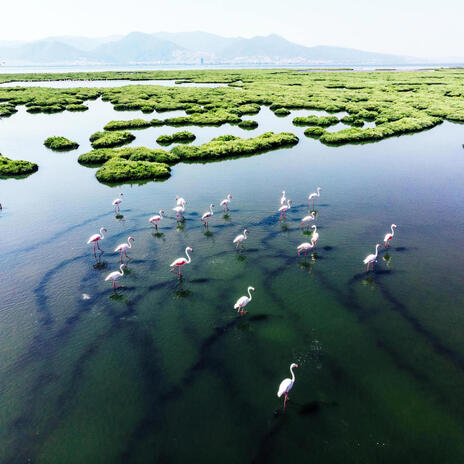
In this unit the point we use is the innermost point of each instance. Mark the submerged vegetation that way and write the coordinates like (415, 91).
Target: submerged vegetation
(183, 136)
(106, 139)
(60, 143)
(12, 168)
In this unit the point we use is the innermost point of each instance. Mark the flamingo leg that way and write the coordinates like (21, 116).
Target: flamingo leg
(95, 254)
(125, 252)
(285, 400)
(98, 246)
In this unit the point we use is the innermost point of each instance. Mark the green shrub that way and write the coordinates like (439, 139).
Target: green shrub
(248, 124)
(60, 143)
(314, 131)
(11, 168)
(322, 121)
(183, 136)
(131, 124)
(281, 112)
(119, 170)
(110, 139)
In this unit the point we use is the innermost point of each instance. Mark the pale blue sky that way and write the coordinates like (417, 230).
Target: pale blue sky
(423, 28)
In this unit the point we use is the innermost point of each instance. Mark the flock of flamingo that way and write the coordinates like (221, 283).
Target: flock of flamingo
(176, 266)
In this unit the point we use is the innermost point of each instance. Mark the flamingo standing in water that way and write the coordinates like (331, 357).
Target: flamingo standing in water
(156, 219)
(370, 259)
(207, 215)
(388, 237)
(283, 199)
(305, 246)
(314, 195)
(117, 202)
(286, 385)
(225, 203)
(179, 212)
(114, 276)
(123, 247)
(179, 262)
(180, 201)
(240, 238)
(307, 219)
(95, 238)
(315, 235)
(283, 209)
(243, 301)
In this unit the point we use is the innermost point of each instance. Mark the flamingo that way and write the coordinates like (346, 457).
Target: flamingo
(371, 258)
(283, 209)
(207, 215)
(243, 301)
(240, 238)
(117, 202)
(156, 219)
(315, 235)
(179, 211)
(286, 385)
(388, 237)
(180, 201)
(179, 262)
(314, 195)
(283, 198)
(305, 246)
(306, 220)
(114, 276)
(225, 203)
(123, 247)
(95, 238)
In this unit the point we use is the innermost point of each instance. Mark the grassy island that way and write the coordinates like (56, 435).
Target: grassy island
(120, 170)
(12, 168)
(314, 131)
(248, 124)
(322, 121)
(131, 124)
(282, 112)
(102, 155)
(108, 139)
(60, 144)
(183, 136)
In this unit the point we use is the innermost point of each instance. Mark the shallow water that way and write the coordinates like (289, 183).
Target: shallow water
(166, 371)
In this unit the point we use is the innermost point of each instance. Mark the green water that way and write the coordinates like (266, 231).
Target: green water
(166, 370)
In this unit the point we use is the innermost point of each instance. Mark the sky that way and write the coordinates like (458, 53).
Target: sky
(420, 28)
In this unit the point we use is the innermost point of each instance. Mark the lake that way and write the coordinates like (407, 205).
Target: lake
(165, 370)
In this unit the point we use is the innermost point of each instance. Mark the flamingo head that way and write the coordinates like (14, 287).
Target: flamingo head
(189, 248)
(177, 197)
(104, 229)
(313, 226)
(161, 212)
(212, 206)
(394, 225)
(246, 231)
(318, 189)
(252, 289)
(290, 202)
(132, 239)
(123, 266)
(229, 196)
(283, 192)
(121, 194)
(293, 365)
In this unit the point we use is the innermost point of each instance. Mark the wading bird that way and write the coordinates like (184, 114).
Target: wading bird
(180, 201)
(388, 237)
(240, 238)
(179, 212)
(283, 209)
(114, 276)
(117, 202)
(243, 301)
(225, 203)
(123, 247)
(315, 235)
(283, 199)
(305, 246)
(207, 215)
(370, 259)
(156, 219)
(286, 385)
(307, 219)
(314, 195)
(95, 238)
(179, 262)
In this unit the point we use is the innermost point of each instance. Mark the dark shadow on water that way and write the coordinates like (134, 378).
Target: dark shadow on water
(100, 265)
(314, 407)
(200, 280)
(208, 233)
(158, 235)
(119, 296)
(241, 258)
(258, 317)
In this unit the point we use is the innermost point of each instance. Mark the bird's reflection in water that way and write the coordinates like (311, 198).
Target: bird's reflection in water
(99, 263)
(181, 290)
(227, 217)
(387, 259)
(119, 296)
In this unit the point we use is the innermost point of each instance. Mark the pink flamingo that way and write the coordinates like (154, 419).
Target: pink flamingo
(388, 237)
(95, 238)
(286, 385)
(283, 199)
(283, 209)
(156, 219)
(305, 246)
(117, 202)
(123, 247)
(180, 201)
(370, 259)
(314, 195)
(240, 238)
(307, 219)
(179, 262)
(179, 212)
(116, 275)
(314, 235)
(225, 203)
(243, 301)
(207, 215)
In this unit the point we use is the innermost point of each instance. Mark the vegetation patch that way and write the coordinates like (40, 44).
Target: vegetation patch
(321, 121)
(102, 155)
(314, 131)
(183, 136)
(77, 108)
(11, 168)
(107, 139)
(60, 143)
(120, 170)
(282, 112)
(248, 124)
(131, 124)
(211, 118)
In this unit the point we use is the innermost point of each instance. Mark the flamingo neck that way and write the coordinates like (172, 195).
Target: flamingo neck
(376, 250)
(161, 214)
(245, 234)
(249, 293)
(315, 228)
(101, 233)
(211, 209)
(121, 269)
(293, 374)
(393, 230)
(189, 260)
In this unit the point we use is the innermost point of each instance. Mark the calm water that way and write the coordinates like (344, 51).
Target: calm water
(166, 371)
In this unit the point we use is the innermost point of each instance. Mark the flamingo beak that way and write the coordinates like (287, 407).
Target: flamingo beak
(296, 365)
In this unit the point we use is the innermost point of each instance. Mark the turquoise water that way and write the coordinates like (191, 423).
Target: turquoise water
(166, 371)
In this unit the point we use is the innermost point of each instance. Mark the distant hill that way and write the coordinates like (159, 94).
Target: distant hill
(188, 48)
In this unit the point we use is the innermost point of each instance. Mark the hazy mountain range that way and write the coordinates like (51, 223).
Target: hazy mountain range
(185, 48)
